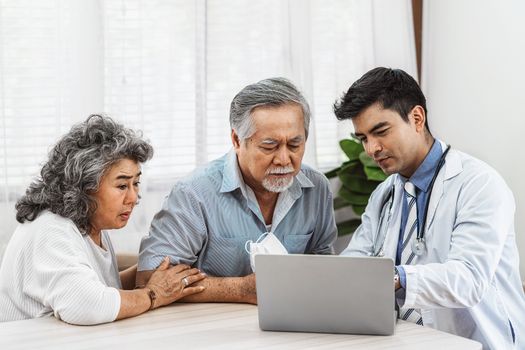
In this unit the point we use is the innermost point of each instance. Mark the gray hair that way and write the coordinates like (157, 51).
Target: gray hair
(75, 168)
(269, 92)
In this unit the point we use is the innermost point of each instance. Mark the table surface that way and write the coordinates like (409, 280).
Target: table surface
(201, 326)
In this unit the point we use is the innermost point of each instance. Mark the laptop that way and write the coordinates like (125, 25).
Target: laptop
(325, 293)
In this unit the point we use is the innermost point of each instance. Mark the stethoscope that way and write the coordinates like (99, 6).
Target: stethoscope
(419, 246)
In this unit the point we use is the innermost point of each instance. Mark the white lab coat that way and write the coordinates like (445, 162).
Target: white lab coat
(468, 282)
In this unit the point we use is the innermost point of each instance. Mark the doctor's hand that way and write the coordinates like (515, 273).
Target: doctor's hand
(172, 283)
(397, 279)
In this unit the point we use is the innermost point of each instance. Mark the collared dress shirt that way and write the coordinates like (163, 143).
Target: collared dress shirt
(421, 179)
(209, 216)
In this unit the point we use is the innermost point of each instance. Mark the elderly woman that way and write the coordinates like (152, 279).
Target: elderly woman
(60, 260)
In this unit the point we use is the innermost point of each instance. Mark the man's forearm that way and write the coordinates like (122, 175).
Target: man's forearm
(226, 289)
(217, 289)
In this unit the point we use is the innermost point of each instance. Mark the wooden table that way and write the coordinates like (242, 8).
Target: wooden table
(208, 326)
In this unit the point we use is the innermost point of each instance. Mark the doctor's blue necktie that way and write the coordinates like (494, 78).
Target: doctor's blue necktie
(407, 255)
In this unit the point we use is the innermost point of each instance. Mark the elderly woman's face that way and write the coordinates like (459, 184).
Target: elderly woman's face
(117, 195)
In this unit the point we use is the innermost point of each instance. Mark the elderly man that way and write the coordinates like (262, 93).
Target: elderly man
(259, 186)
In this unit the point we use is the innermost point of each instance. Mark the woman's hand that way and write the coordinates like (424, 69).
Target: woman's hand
(172, 283)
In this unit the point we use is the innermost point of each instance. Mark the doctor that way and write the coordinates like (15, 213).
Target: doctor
(446, 218)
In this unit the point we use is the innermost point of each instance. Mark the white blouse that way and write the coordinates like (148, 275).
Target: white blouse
(49, 267)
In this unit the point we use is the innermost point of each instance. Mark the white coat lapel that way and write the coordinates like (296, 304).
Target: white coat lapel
(451, 168)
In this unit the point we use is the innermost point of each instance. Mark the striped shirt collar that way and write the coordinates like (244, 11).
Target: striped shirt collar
(424, 173)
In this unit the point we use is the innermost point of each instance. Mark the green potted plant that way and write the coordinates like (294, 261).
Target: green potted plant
(359, 176)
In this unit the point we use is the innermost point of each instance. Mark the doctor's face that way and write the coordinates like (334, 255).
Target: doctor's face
(271, 157)
(396, 146)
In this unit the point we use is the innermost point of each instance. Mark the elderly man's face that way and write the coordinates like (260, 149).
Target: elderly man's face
(272, 156)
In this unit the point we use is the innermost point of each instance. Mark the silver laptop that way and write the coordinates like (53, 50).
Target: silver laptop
(323, 293)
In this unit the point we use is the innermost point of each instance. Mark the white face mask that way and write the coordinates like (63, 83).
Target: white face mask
(267, 243)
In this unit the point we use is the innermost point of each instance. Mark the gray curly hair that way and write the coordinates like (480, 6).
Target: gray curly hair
(75, 168)
(267, 92)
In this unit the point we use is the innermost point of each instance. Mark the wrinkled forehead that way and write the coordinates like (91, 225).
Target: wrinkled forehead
(277, 122)
(123, 169)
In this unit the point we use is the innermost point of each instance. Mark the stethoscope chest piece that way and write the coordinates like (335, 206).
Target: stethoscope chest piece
(419, 247)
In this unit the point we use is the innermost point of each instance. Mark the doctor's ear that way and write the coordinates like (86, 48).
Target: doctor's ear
(418, 117)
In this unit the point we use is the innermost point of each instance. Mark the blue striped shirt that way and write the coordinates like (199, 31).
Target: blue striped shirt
(209, 215)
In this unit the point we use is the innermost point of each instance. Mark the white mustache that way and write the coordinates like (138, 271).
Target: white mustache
(280, 170)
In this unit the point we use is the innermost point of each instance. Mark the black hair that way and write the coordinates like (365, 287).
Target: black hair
(393, 89)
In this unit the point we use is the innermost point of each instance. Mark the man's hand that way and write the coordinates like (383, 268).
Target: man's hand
(225, 290)
(216, 289)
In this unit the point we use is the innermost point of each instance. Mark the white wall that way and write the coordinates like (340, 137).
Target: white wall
(474, 79)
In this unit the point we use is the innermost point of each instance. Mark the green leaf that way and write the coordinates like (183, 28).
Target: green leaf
(352, 197)
(358, 184)
(359, 209)
(367, 161)
(340, 203)
(359, 176)
(375, 174)
(351, 148)
(348, 227)
(332, 173)
(353, 168)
